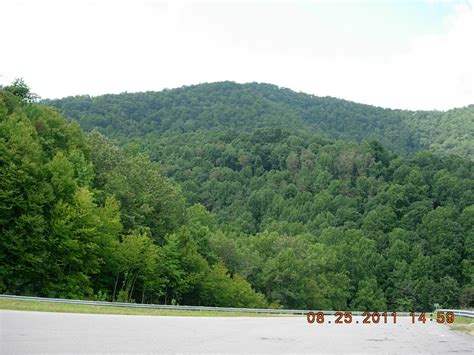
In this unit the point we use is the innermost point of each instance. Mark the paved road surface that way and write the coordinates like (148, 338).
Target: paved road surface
(30, 332)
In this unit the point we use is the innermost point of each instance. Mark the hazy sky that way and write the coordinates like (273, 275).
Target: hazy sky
(399, 54)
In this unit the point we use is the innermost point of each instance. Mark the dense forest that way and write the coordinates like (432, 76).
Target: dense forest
(236, 195)
(245, 107)
(81, 218)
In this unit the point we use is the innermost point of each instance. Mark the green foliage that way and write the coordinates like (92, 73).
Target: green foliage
(19, 89)
(450, 132)
(81, 218)
(261, 107)
(232, 195)
(138, 259)
(222, 290)
(368, 296)
(50, 226)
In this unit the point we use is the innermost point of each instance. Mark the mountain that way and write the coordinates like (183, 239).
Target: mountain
(316, 202)
(220, 196)
(246, 107)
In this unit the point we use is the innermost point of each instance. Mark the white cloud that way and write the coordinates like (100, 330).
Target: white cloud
(94, 47)
(438, 69)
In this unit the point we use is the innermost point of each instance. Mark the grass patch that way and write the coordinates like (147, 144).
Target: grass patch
(39, 306)
(463, 324)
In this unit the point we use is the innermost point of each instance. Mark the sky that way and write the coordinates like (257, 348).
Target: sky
(407, 54)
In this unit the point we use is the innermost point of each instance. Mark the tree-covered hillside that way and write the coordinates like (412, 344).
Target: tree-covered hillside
(80, 218)
(227, 105)
(450, 132)
(400, 227)
(203, 203)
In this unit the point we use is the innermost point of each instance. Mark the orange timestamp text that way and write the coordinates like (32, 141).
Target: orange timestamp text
(378, 317)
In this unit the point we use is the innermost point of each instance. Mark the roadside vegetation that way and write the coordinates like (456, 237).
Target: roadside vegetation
(463, 324)
(40, 306)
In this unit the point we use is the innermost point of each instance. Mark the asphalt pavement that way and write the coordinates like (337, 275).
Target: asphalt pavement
(40, 332)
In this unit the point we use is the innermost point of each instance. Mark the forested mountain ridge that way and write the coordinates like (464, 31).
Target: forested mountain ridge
(80, 218)
(245, 107)
(267, 216)
(450, 132)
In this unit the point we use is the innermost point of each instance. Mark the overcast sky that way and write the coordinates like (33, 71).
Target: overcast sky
(399, 54)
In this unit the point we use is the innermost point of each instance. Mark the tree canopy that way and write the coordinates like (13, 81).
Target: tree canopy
(231, 195)
(246, 107)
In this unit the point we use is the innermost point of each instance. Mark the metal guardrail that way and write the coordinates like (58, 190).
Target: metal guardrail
(160, 306)
(206, 308)
(457, 312)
